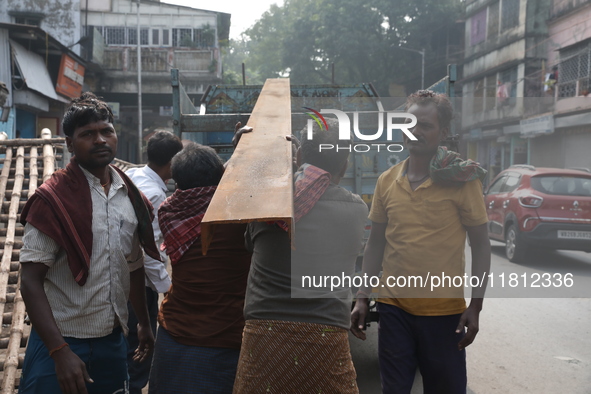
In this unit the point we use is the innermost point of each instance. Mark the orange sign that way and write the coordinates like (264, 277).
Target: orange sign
(70, 78)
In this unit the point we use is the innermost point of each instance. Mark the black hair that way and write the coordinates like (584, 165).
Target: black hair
(162, 146)
(330, 160)
(83, 110)
(196, 166)
(441, 102)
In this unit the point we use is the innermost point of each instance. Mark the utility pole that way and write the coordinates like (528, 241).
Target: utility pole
(422, 53)
(139, 87)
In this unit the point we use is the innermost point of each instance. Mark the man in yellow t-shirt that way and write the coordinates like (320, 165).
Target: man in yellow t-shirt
(422, 210)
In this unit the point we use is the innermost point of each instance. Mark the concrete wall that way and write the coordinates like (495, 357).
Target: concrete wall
(502, 39)
(547, 151)
(152, 14)
(513, 51)
(61, 18)
(568, 30)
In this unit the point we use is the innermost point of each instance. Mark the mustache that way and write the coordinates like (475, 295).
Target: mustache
(101, 149)
(419, 139)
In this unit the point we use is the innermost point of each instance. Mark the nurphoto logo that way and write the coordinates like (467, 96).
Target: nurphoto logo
(409, 121)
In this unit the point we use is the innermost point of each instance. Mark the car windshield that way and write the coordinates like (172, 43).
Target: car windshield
(562, 185)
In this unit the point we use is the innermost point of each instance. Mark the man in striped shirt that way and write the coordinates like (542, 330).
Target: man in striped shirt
(81, 260)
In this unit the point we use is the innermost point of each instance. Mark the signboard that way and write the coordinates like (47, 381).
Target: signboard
(114, 108)
(98, 47)
(70, 78)
(475, 134)
(537, 126)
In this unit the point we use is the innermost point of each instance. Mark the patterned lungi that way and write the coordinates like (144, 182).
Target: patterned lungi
(279, 357)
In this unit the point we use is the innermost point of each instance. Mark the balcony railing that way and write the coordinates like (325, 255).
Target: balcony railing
(160, 60)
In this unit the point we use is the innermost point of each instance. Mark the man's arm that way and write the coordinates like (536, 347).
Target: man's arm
(156, 270)
(137, 297)
(372, 263)
(480, 248)
(70, 369)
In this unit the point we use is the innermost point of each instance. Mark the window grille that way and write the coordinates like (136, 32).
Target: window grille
(132, 36)
(493, 21)
(510, 76)
(510, 14)
(114, 35)
(182, 38)
(31, 21)
(144, 36)
(574, 70)
(491, 91)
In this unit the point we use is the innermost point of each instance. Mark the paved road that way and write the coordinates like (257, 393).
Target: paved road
(525, 345)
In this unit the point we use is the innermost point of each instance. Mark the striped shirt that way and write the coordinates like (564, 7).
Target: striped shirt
(92, 310)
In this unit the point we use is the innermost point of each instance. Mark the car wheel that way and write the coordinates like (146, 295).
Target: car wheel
(515, 250)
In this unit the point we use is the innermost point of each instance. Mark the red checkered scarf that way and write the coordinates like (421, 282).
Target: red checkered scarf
(310, 184)
(180, 218)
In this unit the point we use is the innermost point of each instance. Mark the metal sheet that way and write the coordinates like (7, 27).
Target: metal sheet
(33, 70)
(257, 183)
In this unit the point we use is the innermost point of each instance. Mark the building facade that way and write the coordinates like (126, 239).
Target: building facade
(51, 51)
(504, 58)
(526, 83)
(567, 139)
(170, 36)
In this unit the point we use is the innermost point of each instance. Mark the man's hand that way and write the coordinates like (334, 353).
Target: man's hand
(358, 317)
(469, 319)
(146, 343)
(238, 131)
(295, 146)
(71, 372)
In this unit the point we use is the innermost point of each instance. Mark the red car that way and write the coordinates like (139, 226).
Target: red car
(541, 208)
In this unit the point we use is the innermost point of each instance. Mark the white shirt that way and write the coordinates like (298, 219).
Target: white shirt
(92, 310)
(155, 190)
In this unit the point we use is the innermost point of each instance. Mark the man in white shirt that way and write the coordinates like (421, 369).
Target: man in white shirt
(151, 180)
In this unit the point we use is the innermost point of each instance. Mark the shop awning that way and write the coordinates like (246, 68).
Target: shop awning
(33, 70)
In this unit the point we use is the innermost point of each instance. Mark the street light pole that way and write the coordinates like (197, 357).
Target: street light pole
(422, 53)
(139, 86)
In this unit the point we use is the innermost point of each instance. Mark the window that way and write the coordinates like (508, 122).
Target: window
(31, 21)
(115, 35)
(510, 14)
(477, 105)
(165, 40)
(562, 185)
(478, 27)
(496, 187)
(155, 36)
(574, 69)
(132, 36)
(491, 91)
(144, 37)
(182, 38)
(493, 21)
(510, 184)
(510, 77)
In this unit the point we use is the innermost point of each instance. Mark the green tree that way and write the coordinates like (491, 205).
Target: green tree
(302, 38)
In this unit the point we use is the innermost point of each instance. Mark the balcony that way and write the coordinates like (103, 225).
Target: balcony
(563, 7)
(161, 60)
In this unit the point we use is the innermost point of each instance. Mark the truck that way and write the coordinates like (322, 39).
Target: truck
(211, 122)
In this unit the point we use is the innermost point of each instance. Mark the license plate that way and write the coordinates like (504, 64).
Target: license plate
(574, 234)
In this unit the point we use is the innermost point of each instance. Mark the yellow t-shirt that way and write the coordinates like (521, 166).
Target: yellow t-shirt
(425, 237)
